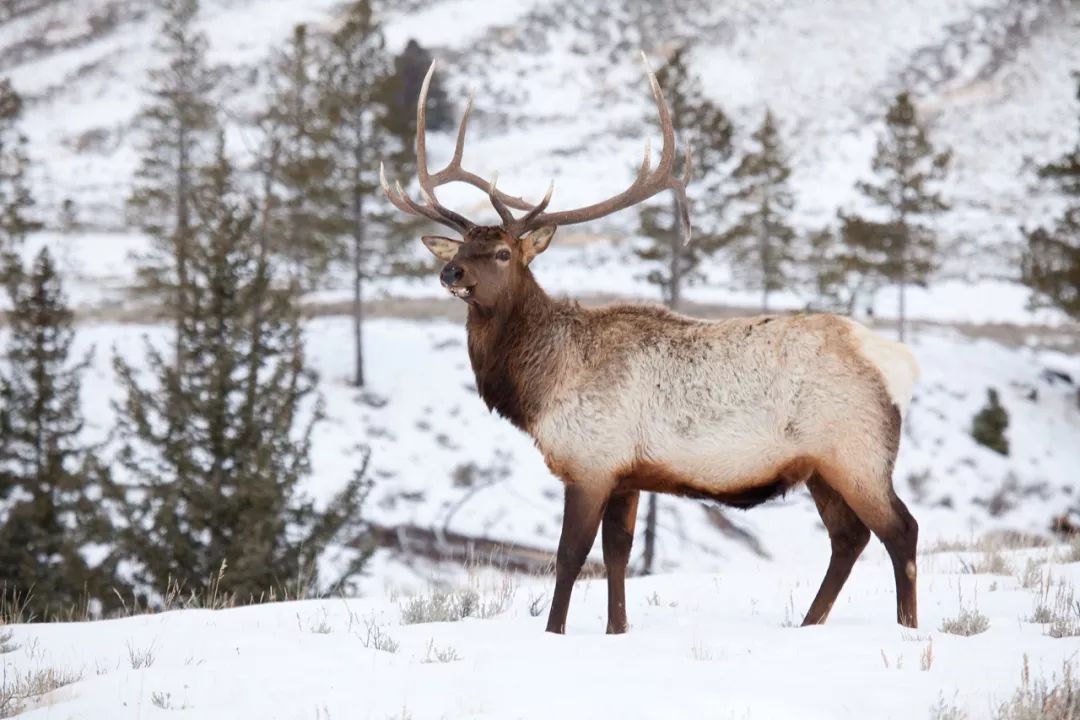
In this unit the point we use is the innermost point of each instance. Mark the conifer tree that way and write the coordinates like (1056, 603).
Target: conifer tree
(55, 498)
(762, 236)
(990, 423)
(706, 131)
(178, 128)
(400, 88)
(302, 202)
(1051, 263)
(218, 443)
(901, 248)
(378, 242)
(16, 201)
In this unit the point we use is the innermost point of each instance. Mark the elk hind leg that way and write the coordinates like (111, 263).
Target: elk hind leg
(848, 536)
(889, 519)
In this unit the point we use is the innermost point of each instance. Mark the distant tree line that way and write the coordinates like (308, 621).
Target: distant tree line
(746, 206)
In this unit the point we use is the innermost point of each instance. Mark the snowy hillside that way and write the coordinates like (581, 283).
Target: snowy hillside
(566, 99)
(716, 646)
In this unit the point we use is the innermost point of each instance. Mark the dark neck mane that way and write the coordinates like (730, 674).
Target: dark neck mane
(513, 350)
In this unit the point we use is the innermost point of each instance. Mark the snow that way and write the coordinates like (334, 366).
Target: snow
(700, 645)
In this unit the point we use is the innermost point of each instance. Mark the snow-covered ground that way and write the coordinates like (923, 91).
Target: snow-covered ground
(717, 645)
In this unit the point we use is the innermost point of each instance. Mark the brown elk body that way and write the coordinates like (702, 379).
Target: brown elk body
(636, 398)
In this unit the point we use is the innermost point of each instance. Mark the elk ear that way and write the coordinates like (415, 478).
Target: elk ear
(536, 241)
(441, 247)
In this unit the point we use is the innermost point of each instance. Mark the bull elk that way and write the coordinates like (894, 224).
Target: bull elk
(634, 398)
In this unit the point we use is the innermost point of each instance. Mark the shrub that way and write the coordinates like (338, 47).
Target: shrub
(1058, 699)
(989, 424)
(969, 622)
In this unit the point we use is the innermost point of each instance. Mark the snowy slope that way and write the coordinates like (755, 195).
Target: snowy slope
(716, 646)
(560, 96)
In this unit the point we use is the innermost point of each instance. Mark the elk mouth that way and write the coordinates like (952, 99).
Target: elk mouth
(461, 292)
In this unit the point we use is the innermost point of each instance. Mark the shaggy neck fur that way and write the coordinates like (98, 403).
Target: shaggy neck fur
(514, 347)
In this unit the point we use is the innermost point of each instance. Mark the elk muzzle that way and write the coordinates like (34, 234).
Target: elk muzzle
(451, 276)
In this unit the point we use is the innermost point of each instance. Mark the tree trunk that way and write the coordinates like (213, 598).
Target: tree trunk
(763, 249)
(358, 251)
(649, 555)
(902, 276)
(903, 313)
(358, 299)
(180, 240)
(675, 280)
(675, 268)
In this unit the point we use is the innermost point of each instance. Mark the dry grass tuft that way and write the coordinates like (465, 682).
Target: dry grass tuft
(1058, 699)
(7, 643)
(375, 638)
(140, 659)
(19, 688)
(1060, 613)
(992, 562)
(479, 600)
(440, 655)
(946, 711)
(968, 622)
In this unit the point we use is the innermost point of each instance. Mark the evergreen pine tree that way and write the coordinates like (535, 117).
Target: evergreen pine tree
(1051, 263)
(177, 128)
(842, 262)
(706, 130)
(354, 73)
(54, 497)
(400, 88)
(902, 249)
(302, 202)
(990, 423)
(16, 200)
(218, 442)
(762, 236)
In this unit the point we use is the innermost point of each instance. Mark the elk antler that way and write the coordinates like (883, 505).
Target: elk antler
(648, 182)
(453, 172)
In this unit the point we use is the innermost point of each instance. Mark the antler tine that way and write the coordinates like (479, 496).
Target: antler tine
(667, 154)
(526, 220)
(406, 204)
(644, 171)
(648, 182)
(682, 202)
(500, 207)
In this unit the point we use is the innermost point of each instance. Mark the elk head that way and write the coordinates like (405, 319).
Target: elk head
(489, 262)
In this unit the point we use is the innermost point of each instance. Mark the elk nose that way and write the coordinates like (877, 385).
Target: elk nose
(451, 273)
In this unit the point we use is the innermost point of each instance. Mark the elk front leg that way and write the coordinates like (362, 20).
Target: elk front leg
(617, 537)
(581, 519)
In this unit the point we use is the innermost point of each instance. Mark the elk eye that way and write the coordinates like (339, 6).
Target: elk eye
(503, 255)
